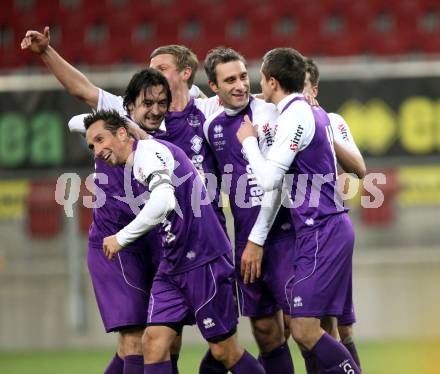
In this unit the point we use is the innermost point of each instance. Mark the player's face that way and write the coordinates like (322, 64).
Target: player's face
(232, 84)
(166, 64)
(150, 108)
(106, 146)
(309, 89)
(266, 88)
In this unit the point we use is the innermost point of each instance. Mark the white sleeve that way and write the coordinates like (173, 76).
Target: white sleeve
(194, 91)
(150, 159)
(295, 131)
(110, 101)
(208, 106)
(341, 131)
(270, 206)
(160, 203)
(152, 166)
(76, 123)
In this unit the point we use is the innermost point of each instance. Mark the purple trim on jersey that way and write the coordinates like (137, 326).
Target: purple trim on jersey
(185, 129)
(245, 195)
(114, 214)
(194, 236)
(313, 205)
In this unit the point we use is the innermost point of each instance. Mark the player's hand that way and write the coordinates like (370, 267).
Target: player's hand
(137, 132)
(311, 100)
(35, 41)
(251, 262)
(110, 246)
(246, 129)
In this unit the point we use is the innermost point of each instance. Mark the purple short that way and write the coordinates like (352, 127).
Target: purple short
(205, 294)
(323, 268)
(122, 286)
(267, 294)
(348, 316)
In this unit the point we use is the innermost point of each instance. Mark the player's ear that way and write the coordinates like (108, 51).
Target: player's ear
(213, 86)
(186, 73)
(122, 133)
(315, 90)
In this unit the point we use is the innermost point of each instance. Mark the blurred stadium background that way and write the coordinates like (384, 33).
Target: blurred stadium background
(380, 69)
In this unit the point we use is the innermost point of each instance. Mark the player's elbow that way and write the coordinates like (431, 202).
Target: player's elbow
(270, 184)
(360, 169)
(164, 196)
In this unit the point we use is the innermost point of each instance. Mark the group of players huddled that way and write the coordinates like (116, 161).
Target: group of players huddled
(164, 260)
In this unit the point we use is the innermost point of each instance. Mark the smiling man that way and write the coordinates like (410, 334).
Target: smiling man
(122, 304)
(303, 148)
(194, 281)
(261, 277)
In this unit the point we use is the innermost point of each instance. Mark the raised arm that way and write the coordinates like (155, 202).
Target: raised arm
(75, 82)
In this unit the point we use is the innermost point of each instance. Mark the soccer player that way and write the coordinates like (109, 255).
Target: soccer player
(121, 300)
(261, 285)
(351, 161)
(194, 279)
(183, 126)
(325, 236)
(348, 155)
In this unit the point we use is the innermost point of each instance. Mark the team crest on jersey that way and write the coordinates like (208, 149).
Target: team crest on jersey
(141, 174)
(193, 120)
(197, 143)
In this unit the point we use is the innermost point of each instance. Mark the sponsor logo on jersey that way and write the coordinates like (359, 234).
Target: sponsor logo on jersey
(218, 131)
(190, 255)
(208, 323)
(160, 158)
(193, 120)
(310, 222)
(343, 130)
(297, 302)
(346, 366)
(295, 141)
(267, 134)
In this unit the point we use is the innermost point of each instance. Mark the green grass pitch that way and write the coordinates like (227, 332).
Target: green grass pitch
(411, 357)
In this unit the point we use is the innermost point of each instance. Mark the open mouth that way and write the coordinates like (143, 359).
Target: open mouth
(106, 157)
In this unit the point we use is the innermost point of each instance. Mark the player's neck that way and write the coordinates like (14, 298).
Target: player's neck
(278, 96)
(180, 99)
(129, 152)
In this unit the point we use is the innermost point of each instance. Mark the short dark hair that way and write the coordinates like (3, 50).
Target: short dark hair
(112, 120)
(220, 55)
(287, 66)
(184, 58)
(313, 71)
(143, 80)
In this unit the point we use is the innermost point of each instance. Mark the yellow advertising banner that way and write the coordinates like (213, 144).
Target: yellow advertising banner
(419, 185)
(13, 195)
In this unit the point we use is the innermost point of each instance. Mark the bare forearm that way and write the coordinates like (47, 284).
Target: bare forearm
(350, 160)
(75, 82)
